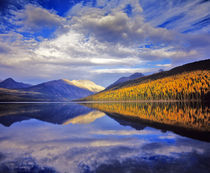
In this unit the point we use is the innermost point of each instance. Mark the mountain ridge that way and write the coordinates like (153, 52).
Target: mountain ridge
(125, 79)
(10, 83)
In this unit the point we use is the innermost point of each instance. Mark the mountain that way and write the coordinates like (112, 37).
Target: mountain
(186, 82)
(62, 90)
(56, 90)
(87, 84)
(12, 84)
(125, 79)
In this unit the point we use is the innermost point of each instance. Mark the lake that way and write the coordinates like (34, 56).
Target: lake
(104, 137)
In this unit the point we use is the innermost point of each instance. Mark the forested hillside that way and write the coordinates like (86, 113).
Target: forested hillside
(188, 82)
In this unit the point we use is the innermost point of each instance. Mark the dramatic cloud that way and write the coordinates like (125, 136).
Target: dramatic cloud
(92, 40)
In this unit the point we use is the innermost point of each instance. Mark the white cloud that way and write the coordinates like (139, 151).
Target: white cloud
(163, 65)
(123, 70)
(34, 18)
(177, 15)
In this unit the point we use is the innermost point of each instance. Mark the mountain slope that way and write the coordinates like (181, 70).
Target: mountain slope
(187, 82)
(87, 84)
(125, 79)
(12, 84)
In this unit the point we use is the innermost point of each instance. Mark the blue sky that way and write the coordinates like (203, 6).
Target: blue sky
(100, 40)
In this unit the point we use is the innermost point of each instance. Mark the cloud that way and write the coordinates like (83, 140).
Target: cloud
(33, 18)
(123, 70)
(4, 49)
(124, 132)
(100, 40)
(176, 15)
(117, 27)
(163, 65)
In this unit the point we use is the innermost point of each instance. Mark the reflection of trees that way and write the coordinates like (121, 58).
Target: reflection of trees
(188, 115)
(186, 86)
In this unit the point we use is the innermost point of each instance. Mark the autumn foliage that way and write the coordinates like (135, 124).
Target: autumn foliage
(186, 86)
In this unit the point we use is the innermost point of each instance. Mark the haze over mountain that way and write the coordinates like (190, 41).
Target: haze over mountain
(125, 79)
(10, 83)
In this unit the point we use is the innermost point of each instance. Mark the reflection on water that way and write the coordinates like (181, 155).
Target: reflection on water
(189, 115)
(74, 138)
(176, 116)
(57, 113)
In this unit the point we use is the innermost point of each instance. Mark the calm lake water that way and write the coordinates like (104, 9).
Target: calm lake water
(99, 137)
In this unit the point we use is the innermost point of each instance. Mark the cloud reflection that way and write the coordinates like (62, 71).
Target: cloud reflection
(77, 148)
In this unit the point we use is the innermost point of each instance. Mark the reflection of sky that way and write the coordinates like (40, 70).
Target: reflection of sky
(99, 146)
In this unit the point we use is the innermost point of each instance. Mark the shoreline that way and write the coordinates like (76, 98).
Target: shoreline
(109, 101)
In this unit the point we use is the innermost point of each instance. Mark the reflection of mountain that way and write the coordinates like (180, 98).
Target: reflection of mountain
(49, 112)
(126, 122)
(188, 119)
(86, 118)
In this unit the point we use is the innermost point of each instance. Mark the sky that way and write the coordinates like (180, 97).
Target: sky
(100, 40)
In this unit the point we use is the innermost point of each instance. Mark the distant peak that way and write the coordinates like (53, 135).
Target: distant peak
(9, 79)
(136, 74)
(12, 84)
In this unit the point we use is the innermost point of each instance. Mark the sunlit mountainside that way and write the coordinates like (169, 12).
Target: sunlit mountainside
(187, 82)
(87, 84)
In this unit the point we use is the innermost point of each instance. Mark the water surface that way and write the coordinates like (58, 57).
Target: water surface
(57, 137)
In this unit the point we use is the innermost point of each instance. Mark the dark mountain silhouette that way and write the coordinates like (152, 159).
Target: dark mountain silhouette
(125, 79)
